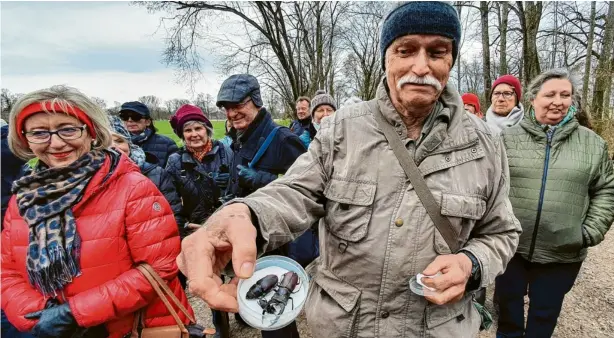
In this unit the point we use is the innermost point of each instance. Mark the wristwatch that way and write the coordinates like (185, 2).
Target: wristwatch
(476, 276)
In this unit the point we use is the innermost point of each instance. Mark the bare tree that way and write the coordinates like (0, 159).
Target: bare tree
(173, 105)
(485, 48)
(503, 19)
(100, 102)
(7, 101)
(290, 46)
(529, 13)
(603, 78)
(587, 65)
(361, 37)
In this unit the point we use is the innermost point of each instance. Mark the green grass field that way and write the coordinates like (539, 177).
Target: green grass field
(164, 128)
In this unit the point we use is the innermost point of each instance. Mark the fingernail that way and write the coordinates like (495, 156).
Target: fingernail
(247, 268)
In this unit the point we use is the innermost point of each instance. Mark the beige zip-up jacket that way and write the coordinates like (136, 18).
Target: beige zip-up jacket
(374, 232)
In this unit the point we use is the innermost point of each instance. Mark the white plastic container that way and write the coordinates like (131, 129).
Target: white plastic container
(249, 309)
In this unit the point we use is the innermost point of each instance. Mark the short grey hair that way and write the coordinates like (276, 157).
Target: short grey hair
(557, 73)
(63, 96)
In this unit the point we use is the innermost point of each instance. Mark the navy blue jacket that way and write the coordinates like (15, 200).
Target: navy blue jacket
(281, 154)
(163, 180)
(194, 183)
(12, 169)
(298, 127)
(159, 145)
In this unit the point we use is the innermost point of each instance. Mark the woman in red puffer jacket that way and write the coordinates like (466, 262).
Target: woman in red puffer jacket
(112, 218)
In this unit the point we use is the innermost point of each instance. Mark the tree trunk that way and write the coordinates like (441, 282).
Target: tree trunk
(603, 79)
(529, 21)
(504, 6)
(589, 57)
(485, 49)
(556, 30)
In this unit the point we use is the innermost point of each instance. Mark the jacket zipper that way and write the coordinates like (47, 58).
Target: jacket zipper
(542, 190)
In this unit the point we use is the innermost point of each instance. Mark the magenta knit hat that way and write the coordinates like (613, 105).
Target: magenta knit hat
(187, 113)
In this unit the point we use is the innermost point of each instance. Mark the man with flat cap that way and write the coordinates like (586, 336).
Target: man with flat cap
(262, 150)
(404, 184)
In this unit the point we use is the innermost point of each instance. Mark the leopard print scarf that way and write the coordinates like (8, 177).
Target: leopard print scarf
(45, 199)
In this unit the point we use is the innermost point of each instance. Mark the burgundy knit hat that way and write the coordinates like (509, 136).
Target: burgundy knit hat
(472, 99)
(187, 113)
(510, 80)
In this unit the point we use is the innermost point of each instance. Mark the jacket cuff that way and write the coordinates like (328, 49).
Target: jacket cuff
(483, 269)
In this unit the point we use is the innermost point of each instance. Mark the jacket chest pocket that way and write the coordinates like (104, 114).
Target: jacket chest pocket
(348, 208)
(463, 211)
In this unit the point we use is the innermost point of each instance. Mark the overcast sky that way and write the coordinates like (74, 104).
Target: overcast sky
(105, 49)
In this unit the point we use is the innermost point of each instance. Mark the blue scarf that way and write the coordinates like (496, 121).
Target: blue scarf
(141, 138)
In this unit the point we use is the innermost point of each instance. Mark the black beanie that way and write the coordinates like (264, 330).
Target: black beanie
(420, 17)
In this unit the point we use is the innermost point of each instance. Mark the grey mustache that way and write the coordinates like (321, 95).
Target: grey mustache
(424, 80)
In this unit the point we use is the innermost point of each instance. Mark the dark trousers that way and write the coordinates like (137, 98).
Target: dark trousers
(547, 284)
(290, 331)
(10, 331)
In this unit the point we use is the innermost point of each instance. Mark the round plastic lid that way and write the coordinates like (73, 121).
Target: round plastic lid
(252, 312)
(417, 287)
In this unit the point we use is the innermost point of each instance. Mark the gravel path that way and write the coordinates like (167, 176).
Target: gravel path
(588, 311)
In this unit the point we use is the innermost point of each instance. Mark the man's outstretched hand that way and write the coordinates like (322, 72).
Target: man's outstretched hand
(227, 234)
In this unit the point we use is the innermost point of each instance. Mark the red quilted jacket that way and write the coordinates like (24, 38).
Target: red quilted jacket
(123, 220)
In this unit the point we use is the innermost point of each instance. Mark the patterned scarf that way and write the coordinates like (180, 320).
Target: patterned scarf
(199, 155)
(142, 137)
(136, 153)
(45, 199)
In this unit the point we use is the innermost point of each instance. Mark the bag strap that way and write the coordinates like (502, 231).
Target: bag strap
(263, 147)
(146, 270)
(425, 195)
(160, 293)
(170, 293)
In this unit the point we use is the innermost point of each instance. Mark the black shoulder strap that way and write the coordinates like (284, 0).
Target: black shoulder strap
(425, 195)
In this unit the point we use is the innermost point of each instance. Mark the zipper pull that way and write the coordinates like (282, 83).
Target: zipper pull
(550, 135)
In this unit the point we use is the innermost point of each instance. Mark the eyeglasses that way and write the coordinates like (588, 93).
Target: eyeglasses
(236, 106)
(130, 116)
(506, 95)
(44, 136)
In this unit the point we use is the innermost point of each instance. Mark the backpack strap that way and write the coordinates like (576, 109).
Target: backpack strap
(263, 147)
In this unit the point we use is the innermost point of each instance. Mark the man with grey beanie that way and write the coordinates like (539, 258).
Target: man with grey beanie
(450, 224)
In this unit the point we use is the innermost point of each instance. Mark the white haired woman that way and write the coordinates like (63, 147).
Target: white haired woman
(562, 192)
(79, 224)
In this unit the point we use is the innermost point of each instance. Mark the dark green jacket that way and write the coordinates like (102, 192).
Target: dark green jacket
(562, 191)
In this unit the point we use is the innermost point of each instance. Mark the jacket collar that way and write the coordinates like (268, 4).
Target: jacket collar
(450, 130)
(539, 133)
(262, 118)
(186, 156)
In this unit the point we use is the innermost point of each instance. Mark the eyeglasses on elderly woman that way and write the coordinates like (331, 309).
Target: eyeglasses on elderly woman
(44, 136)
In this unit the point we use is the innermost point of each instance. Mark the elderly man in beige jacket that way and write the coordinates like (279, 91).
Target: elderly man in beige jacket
(375, 232)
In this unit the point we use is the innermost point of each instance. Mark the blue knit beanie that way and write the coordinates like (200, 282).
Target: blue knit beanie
(420, 17)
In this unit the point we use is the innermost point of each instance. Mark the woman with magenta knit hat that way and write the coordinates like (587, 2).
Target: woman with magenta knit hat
(505, 110)
(199, 169)
(472, 104)
(200, 173)
(147, 162)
